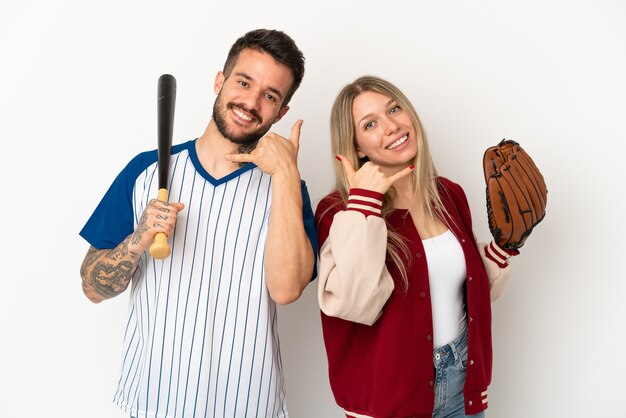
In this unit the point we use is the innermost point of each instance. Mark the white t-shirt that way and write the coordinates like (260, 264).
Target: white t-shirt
(446, 274)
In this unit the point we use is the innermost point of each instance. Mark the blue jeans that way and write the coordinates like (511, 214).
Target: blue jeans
(450, 362)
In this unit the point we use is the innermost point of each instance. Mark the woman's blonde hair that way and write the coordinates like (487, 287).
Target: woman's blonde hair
(343, 142)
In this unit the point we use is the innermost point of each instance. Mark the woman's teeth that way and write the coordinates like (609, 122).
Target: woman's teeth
(398, 142)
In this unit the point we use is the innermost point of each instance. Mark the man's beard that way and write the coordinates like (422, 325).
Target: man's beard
(247, 141)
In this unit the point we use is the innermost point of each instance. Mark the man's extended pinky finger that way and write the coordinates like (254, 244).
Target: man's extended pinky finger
(239, 158)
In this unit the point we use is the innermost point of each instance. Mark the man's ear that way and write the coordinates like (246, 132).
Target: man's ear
(219, 82)
(283, 110)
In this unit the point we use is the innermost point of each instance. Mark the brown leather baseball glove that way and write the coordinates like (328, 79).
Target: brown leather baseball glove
(516, 193)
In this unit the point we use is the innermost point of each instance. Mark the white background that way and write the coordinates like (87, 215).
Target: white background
(78, 100)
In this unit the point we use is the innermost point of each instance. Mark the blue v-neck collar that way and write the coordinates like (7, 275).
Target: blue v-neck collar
(205, 174)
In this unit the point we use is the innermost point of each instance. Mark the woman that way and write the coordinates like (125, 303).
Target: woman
(404, 289)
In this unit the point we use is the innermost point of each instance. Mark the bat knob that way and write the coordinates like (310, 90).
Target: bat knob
(160, 249)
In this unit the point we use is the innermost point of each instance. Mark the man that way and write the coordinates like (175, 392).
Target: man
(201, 338)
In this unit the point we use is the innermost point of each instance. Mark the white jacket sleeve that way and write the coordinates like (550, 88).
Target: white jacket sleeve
(354, 283)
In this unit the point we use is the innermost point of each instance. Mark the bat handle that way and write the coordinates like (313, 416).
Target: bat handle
(160, 249)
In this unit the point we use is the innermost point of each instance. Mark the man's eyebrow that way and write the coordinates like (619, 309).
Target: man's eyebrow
(244, 75)
(276, 92)
(272, 89)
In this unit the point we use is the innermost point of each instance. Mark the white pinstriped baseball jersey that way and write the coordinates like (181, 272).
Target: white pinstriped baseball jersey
(201, 338)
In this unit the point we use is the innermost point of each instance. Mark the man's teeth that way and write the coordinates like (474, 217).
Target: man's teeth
(242, 115)
(398, 142)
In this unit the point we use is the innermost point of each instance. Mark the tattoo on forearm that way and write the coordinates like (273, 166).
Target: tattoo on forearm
(111, 280)
(109, 273)
(118, 253)
(141, 229)
(162, 217)
(92, 255)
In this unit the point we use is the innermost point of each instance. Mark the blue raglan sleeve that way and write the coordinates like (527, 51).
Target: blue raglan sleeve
(113, 219)
(309, 224)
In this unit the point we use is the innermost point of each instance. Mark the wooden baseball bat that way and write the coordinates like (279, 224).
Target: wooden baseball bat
(160, 249)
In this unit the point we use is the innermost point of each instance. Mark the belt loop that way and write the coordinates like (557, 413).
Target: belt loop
(455, 351)
(454, 345)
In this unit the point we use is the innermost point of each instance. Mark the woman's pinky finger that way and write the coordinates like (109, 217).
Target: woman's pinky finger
(402, 173)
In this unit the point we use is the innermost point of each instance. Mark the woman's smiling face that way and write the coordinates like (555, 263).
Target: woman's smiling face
(384, 132)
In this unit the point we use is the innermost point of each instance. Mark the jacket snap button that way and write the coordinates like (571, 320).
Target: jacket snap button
(470, 403)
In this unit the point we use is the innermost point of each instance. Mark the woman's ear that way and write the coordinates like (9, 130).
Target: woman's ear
(360, 153)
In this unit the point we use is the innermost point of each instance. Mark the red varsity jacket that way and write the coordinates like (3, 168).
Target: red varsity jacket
(386, 370)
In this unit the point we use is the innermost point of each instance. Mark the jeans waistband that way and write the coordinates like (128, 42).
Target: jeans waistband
(450, 353)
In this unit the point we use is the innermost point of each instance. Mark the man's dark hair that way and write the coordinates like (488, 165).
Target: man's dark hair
(278, 45)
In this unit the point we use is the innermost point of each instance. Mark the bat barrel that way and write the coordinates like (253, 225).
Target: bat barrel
(165, 108)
